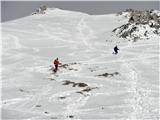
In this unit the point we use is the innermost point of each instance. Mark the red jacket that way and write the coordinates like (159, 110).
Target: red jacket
(56, 62)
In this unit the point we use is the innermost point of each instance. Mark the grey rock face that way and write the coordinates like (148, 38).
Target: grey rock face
(141, 24)
(143, 17)
(40, 10)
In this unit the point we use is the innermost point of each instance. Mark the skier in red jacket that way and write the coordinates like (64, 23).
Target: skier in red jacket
(56, 63)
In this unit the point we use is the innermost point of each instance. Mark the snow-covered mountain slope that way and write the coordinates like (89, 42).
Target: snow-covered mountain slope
(92, 83)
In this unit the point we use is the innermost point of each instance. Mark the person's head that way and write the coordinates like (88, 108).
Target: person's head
(56, 58)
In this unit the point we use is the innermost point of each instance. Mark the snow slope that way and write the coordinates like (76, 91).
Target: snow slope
(84, 43)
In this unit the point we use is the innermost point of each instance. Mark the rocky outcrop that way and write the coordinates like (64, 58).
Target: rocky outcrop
(141, 25)
(40, 10)
(143, 17)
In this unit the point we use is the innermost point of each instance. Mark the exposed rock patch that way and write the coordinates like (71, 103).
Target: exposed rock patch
(89, 89)
(46, 112)
(62, 97)
(22, 90)
(81, 93)
(70, 116)
(38, 105)
(64, 66)
(52, 79)
(40, 10)
(141, 25)
(70, 66)
(67, 82)
(79, 84)
(109, 74)
(53, 118)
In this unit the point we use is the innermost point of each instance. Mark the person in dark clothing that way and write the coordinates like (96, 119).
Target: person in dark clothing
(116, 50)
(56, 63)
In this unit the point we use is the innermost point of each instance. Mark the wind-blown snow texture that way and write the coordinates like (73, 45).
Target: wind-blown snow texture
(123, 86)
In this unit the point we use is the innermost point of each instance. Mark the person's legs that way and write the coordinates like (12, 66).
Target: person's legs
(116, 51)
(56, 68)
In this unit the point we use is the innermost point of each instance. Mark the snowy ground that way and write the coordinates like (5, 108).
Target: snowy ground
(31, 91)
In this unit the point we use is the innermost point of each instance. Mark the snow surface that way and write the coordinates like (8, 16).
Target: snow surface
(30, 91)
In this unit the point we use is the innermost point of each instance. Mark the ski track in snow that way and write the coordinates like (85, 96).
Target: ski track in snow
(74, 103)
(85, 37)
(139, 106)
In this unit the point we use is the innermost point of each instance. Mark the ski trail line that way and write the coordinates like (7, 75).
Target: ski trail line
(85, 33)
(133, 77)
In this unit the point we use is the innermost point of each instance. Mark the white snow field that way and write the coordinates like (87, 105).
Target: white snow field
(84, 44)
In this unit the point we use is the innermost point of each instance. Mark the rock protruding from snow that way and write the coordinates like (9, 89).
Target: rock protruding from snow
(40, 10)
(143, 17)
(141, 25)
